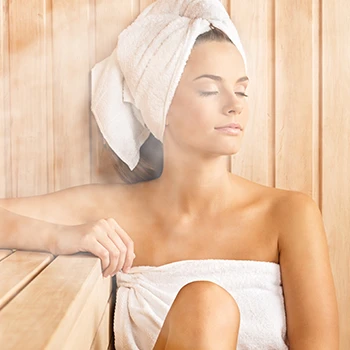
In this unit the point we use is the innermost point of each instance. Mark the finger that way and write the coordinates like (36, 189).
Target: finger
(118, 235)
(108, 226)
(116, 254)
(125, 252)
(101, 252)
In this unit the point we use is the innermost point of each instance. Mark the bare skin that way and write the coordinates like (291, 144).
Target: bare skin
(211, 322)
(250, 226)
(198, 210)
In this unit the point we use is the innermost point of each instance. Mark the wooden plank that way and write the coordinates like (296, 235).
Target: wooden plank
(295, 121)
(4, 253)
(86, 325)
(46, 310)
(51, 163)
(252, 159)
(5, 154)
(315, 95)
(335, 188)
(19, 269)
(104, 335)
(71, 139)
(271, 94)
(28, 98)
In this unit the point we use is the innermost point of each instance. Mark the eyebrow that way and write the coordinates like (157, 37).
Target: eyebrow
(218, 78)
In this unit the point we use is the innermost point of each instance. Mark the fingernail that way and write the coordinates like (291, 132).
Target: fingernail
(127, 269)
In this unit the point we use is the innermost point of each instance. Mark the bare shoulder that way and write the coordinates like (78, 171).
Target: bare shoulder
(294, 198)
(296, 213)
(272, 197)
(299, 222)
(302, 234)
(293, 207)
(283, 202)
(289, 210)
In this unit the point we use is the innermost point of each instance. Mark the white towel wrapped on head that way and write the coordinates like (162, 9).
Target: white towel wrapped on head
(133, 88)
(146, 293)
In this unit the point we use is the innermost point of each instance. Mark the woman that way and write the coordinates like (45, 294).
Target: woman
(194, 209)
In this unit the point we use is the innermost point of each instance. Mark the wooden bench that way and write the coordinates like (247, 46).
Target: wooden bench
(49, 302)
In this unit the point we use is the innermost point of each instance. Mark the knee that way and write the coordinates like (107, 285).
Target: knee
(208, 298)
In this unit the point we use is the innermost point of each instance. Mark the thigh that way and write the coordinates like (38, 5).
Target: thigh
(198, 300)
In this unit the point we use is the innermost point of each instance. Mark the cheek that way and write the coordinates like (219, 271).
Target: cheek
(197, 118)
(189, 111)
(245, 113)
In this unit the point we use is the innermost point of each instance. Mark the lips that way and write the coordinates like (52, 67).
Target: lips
(231, 126)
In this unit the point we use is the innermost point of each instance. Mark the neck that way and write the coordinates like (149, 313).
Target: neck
(192, 189)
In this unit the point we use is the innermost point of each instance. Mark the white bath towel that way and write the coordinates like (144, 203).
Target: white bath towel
(133, 88)
(146, 293)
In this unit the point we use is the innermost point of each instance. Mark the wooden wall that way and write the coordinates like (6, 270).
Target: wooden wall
(299, 133)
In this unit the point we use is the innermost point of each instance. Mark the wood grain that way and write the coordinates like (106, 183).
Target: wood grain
(53, 301)
(5, 150)
(335, 136)
(294, 108)
(5, 253)
(104, 335)
(87, 324)
(27, 66)
(18, 270)
(71, 125)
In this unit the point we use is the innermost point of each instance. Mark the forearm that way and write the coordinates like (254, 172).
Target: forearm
(25, 233)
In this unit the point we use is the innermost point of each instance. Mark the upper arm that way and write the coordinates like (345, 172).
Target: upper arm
(70, 206)
(310, 299)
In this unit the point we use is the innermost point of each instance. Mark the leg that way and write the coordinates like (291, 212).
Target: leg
(203, 316)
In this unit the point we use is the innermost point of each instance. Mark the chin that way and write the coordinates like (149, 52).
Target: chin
(232, 152)
(229, 151)
(231, 148)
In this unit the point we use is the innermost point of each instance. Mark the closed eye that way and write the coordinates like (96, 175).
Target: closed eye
(203, 93)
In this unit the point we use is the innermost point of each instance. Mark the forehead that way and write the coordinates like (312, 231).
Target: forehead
(215, 57)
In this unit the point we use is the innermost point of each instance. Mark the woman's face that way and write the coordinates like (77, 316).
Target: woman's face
(201, 105)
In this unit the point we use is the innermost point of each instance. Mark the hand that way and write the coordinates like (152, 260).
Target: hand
(103, 238)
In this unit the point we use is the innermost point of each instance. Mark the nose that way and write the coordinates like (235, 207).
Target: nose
(234, 104)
